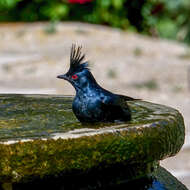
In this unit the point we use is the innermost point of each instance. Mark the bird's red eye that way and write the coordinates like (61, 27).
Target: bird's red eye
(74, 77)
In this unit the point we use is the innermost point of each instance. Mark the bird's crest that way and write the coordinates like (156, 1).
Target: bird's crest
(76, 58)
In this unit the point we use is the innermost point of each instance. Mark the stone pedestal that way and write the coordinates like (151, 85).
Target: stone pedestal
(42, 145)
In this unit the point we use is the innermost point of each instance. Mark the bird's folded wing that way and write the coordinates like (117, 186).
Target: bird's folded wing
(108, 107)
(113, 104)
(117, 109)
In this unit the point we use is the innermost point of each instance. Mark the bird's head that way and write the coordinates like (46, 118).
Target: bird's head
(78, 74)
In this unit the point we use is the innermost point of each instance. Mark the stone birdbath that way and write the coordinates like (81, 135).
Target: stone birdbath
(42, 145)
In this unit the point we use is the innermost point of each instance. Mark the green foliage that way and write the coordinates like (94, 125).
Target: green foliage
(55, 11)
(167, 18)
(164, 18)
(167, 28)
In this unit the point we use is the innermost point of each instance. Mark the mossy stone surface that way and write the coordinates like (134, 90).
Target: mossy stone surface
(40, 137)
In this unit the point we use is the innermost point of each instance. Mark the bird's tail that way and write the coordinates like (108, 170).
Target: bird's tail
(127, 98)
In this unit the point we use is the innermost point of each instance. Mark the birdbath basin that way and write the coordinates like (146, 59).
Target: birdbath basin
(40, 140)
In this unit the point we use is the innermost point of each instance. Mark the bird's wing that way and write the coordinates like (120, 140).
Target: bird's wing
(117, 102)
(116, 108)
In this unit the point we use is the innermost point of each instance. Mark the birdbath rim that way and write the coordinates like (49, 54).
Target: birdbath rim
(154, 133)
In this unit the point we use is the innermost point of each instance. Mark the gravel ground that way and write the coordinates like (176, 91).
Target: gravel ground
(32, 55)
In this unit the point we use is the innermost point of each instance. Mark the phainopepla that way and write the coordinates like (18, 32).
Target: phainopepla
(93, 103)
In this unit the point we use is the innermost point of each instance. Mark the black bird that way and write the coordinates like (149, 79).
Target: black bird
(93, 103)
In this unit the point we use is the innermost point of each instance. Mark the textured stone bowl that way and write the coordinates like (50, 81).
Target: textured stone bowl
(40, 137)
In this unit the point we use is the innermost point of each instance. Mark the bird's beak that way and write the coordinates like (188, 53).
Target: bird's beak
(62, 77)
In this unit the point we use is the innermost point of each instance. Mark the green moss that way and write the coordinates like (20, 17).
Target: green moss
(24, 161)
(22, 116)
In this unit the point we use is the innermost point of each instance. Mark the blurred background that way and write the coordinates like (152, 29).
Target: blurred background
(137, 48)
